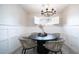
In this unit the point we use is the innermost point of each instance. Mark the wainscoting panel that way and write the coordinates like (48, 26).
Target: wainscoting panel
(4, 48)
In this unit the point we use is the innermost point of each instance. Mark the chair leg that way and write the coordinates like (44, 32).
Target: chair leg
(55, 52)
(23, 51)
(60, 51)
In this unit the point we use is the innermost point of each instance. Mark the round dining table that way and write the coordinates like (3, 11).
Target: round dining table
(41, 40)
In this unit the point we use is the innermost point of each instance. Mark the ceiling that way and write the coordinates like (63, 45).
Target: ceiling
(36, 8)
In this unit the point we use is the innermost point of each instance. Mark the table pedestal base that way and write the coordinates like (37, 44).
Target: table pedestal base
(40, 48)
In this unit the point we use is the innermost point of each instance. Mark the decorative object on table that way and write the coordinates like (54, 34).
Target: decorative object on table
(27, 44)
(54, 46)
(43, 32)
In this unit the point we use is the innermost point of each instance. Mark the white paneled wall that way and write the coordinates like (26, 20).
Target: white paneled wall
(71, 27)
(3, 39)
(4, 48)
(12, 24)
(72, 37)
(13, 35)
(3, 32)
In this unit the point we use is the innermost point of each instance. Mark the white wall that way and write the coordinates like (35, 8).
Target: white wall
(70, 18)
(12, 25)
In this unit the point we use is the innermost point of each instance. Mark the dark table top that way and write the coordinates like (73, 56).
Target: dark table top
(48, 37)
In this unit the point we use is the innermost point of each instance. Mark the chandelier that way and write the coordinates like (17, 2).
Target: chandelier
(48, 12)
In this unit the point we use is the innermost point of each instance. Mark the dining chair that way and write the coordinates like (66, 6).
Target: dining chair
(27, 44)
(54, 46)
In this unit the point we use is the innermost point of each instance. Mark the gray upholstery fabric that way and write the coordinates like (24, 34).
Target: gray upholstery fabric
(27, 43)
(54, 45)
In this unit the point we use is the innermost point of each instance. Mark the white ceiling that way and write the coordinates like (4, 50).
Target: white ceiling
(36, 8)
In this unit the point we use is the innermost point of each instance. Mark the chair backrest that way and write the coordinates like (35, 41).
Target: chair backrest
(33, 33)
(23, 43)
(27, 43)
(57, 35)
(54, 45)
